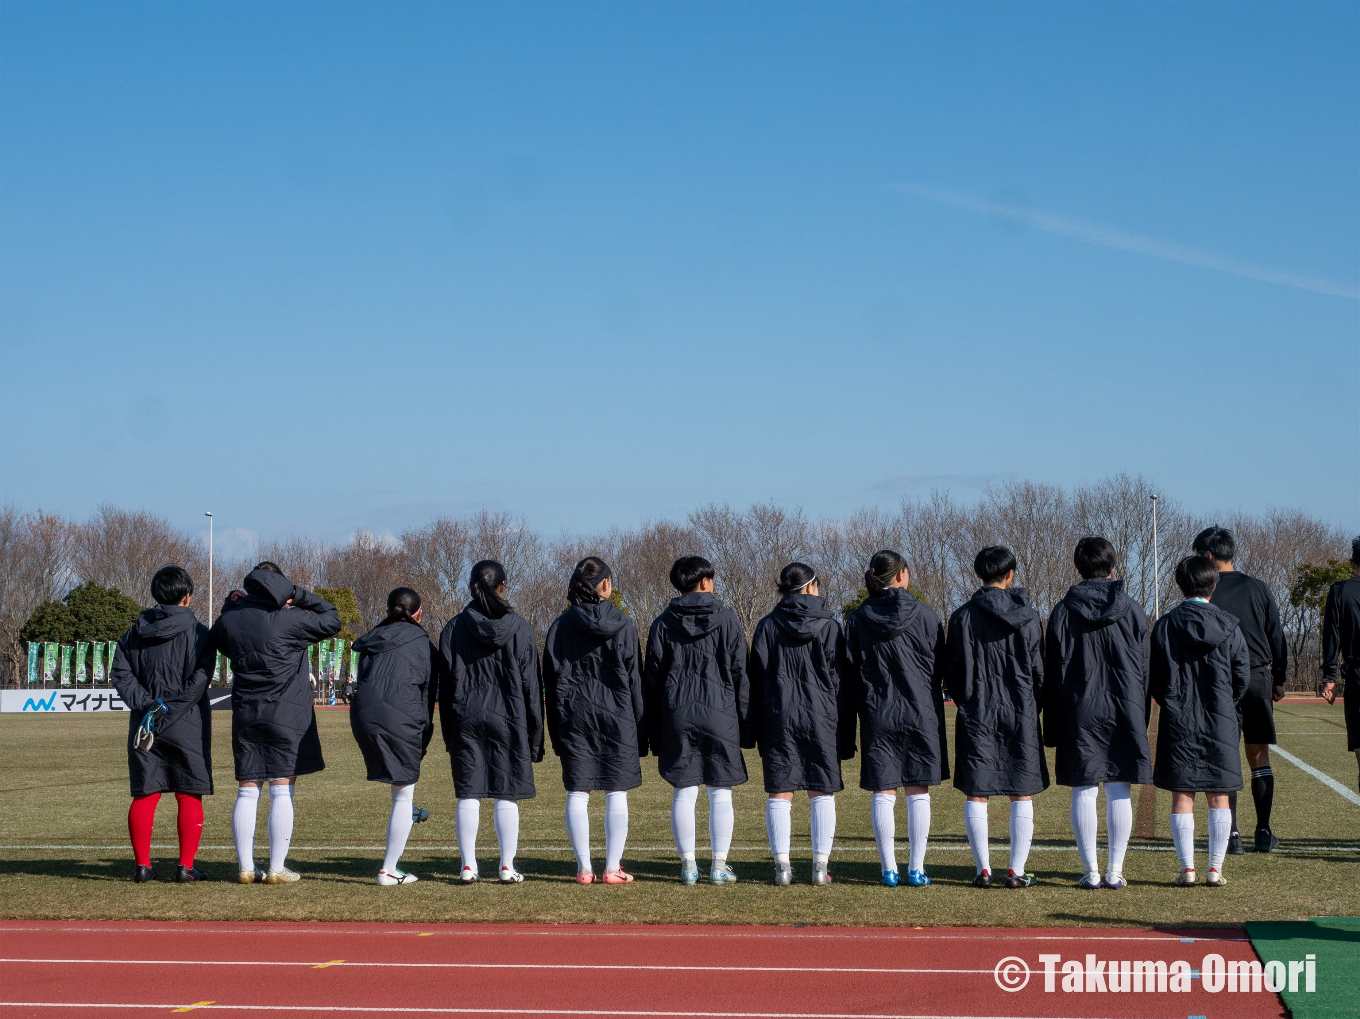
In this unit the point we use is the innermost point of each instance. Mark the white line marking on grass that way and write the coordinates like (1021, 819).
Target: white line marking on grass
(1329, 847)
(484, 965)
(1326, 780)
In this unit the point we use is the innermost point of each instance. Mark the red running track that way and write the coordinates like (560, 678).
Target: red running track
(65, 969)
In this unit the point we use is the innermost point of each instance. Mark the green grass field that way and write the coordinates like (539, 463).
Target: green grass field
(63, 804)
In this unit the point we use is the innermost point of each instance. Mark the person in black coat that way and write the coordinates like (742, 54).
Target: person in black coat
(491, 714)
(390, 711)
(594, 691)
(1258, 616)
(698, 711)
(1341, 640)
(1199, 671)
(896, 648)
(155, 671)
(994, 675)
(801, 715)
(265, 631)
(1096, 705)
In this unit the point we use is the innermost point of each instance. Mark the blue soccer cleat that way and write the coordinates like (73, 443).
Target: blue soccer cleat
(689, 872)
(890, 879)
(917, 878)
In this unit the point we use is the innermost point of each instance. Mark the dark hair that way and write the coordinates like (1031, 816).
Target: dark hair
(1355, 550)
(170, 585)
(487, 576)
(795, 577)
(1196, 576)
(882, 568)
(1215, 542)
(1094, 557)
(688, 571)
(271, 567)
(402, 604)
(993, 563)
(588, 575)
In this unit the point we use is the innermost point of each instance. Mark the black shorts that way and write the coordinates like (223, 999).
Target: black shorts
(1352, 704)
(1258, 710)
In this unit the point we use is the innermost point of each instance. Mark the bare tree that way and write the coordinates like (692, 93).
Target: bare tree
(34, 567)
(644, 560)
(123, 549)
(748, 550)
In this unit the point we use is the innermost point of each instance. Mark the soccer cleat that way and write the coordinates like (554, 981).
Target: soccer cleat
(510, 876)
(187, 875)
(689, 872)
(141, 875)
(617, 877)
(783, 873)
(419, 815)
(585, 877)
(281, 877)
(821, 874)
(1014, 880)
(387, 878)
(1185, 878)
(723, 875)
(917, 878)
(1235, 844)
(249, 877)
(1089, 882)
(891, 879)
(1214, 879)
(468, 876)
(983, 880)
(1115, 882)
(1266, 841)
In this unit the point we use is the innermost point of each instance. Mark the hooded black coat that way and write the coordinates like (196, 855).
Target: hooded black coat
(594, 690)
(698, 704)
(273, 723)
(800, 697)
(1199, 671)
(897, 658)
(157, 659)
(491, 704)
(995, 675)
(390, 706)
(1096, 686)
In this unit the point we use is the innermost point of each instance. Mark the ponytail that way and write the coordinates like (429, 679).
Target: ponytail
(402, 604)
(487, 576)
(882, 568)
(795, 577)
(590, 572)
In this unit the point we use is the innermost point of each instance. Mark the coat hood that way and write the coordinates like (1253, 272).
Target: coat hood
(388, 638)
(692, 615)
(1201, 625)
(269, 587)
(603, 619)
(165, 622)
(488, 631)
(801, 616)
(1008, 605)
(1097, 601)
(888, 614)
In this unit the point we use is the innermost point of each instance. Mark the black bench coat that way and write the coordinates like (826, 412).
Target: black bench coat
(390, 707)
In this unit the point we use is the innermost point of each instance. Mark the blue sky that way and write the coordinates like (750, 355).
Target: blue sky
(320, 267)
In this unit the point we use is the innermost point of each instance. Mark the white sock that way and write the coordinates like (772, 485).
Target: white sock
(823, 826)
(1183, 835)
(881, 815)
(682, 819)
(280, 824)
(720, 822)
(578, 829)
(615, 828)
(779, 827)
(1084, 826)
(467, 821)
(1022, 833)
(918, 829)
(1220, 827)
(506, 819)
(243, 825)
(975, 824)
(399, 825)
(1118, 823)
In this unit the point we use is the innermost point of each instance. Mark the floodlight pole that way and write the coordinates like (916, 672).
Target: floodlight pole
(1156, 566)
(210, 567)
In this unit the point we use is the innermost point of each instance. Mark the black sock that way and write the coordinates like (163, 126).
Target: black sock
(1232, 805)
(1263, 794)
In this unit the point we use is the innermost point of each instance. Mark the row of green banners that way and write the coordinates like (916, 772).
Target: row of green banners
(327, 660)
(86, 662)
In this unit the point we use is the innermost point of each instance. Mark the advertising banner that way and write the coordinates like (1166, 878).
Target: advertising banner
(97, 674)
(81, 675)
(33, 661)
(66, 665)
(353, 665)
(60, 701)
(49, 663)
(226, 671)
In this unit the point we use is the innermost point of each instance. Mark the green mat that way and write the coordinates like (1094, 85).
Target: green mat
(1335, 940)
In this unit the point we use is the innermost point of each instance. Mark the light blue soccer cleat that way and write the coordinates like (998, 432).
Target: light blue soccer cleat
(723, 875)
(689, 873)
(917, 878)
(890, 879)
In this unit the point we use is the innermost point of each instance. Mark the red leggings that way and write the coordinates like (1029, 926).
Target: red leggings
(142, 818)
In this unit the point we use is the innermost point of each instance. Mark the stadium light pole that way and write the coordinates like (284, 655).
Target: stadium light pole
(1156, 566)
(210, 567)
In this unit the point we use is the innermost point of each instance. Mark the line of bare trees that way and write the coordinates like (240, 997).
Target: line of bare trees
(42, 556)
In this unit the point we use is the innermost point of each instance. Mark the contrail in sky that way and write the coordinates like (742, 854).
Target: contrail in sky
(1093, 233)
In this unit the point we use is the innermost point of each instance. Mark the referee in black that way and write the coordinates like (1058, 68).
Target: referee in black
(1341, 638)
(1254, 606)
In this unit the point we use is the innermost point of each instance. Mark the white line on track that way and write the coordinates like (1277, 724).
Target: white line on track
(1326, 780)
(313, 963)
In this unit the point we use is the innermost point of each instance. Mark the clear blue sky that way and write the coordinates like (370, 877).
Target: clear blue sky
(320, 267)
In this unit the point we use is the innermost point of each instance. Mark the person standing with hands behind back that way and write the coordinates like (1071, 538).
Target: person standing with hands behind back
(1341, 640)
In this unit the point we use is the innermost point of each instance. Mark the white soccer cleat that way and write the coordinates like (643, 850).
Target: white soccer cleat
(510, 876)
(1115, 881)
(1185, 878)
(1215, 879)
(468, 876)
(387, 878)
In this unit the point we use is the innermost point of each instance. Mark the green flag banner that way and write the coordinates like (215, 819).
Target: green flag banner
(97, 662)
(337, 659)
(81, 648)
(33, 647)
(49, 663)
(66, 665)
(353, 664)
